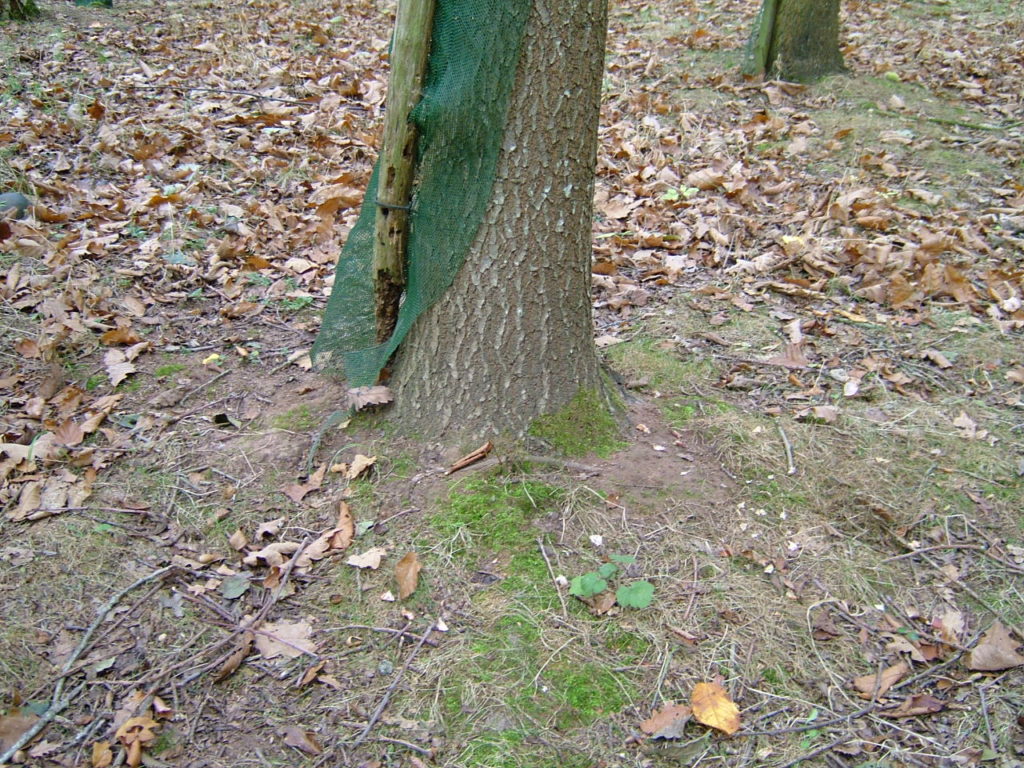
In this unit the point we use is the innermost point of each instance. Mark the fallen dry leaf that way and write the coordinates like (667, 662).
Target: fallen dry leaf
(301, 740)
(344, 530)
(69, 433)
(668, 722)
(364, 397)
(914, 706)
(12, 726)
(268, 529)
(407, 572)
(792, 357)
(369, 559)
(936, 357)
(285, 638)
(135, 734)
(272, 554)
(243, 649)
(878, 684)
(297, 492)
(713, 707)
(825, 414)
(120, 337)
(601, 603)
(359, 465)
(997, 650)
(28, 348)
(238, 540)
(118, 366)
(102, 754)
(317, 550)
(310, 674)
(950, 626)
(968, 427)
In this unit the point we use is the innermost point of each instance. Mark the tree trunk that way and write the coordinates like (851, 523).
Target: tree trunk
(512, 338)
(796, 40)
(22, 10)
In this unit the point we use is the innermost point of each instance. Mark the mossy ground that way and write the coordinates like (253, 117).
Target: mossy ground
(586, 425)
(754, 525)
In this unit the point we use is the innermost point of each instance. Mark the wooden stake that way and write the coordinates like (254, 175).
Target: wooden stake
(758, 57)
(409, 51)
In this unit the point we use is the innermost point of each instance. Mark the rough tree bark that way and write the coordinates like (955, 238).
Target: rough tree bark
(21, 10)
(796, 40)
(512, 338)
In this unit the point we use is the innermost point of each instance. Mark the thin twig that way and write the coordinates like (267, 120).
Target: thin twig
(388, 630)
(389, 518)
(819, 751)
(391, 689)
(551, 658)
(231, 91)
(789, 449)
(125, 510)
(203, 386)
(988, 723)
(934, 670)
(554, 580)
(847, 719)
(57, 702)
(55, 708)
(938, 547)
(1008, 623)
(250, 626)
(412, 747)
(661, 678)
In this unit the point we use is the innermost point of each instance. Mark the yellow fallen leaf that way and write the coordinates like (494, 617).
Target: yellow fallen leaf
(102, 754)
(713, 707)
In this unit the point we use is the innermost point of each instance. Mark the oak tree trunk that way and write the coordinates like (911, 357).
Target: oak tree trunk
(512, 338)
(21, 10)
(797, 40)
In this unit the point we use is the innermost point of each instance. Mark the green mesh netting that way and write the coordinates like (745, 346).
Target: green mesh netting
(460, 120)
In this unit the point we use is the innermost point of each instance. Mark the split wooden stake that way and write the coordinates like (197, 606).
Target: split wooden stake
(409, 51)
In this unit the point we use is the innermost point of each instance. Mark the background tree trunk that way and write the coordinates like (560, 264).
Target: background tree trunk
(21, 10)
(796, 40)
(512, 338)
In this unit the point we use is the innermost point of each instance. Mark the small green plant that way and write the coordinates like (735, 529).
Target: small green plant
(685, 193)
(637, 594)
(163, 371)
(257, 278)
(297, 303)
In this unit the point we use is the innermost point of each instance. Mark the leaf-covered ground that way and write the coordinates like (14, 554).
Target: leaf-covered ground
(812, 297)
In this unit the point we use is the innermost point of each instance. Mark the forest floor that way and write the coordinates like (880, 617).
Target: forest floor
(812, 296)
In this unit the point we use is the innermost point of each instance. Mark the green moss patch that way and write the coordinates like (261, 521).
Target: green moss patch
(494, 511)
(582, 427)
